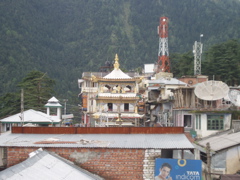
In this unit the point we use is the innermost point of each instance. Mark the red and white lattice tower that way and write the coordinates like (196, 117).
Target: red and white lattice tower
(163, 64)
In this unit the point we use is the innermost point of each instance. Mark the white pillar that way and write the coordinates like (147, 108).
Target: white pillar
(48, 111)
(59, 113)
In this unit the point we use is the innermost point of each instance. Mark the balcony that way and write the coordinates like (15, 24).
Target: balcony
(90, 89)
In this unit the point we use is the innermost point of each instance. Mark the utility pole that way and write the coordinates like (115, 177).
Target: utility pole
(22, 107)
(208, 161)
(65, 105)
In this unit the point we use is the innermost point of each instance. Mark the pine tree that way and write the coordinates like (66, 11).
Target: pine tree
(38, 88)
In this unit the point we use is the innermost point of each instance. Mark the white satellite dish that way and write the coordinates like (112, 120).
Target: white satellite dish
(234, 96)
(211, 90)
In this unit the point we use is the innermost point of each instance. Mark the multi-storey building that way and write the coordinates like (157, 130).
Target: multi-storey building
(111, 99)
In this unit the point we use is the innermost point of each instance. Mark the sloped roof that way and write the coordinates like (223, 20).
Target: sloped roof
(131, 141)
(117, 74)
(31, 116)
(221, 141)
(44, 165)
(167, 81)
(53, 102)
(53, 99)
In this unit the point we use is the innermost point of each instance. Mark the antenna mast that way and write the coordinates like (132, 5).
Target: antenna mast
(197, 52)
(163, 64)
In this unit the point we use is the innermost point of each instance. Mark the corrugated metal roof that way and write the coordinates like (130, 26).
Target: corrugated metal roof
(221, 141)
(167, 81)
(142, 141)
(31, 116)
(44, 165)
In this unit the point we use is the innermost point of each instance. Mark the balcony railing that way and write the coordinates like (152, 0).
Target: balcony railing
(89, 89)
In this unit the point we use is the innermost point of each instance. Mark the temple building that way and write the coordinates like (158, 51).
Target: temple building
(111, 99)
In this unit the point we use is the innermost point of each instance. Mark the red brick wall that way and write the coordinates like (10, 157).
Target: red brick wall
(16, 155)
(114, 164)
(194, 80)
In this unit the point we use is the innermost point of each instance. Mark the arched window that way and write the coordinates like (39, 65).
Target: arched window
(128, 89)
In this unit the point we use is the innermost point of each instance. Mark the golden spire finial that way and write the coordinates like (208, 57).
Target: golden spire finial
(116, 64)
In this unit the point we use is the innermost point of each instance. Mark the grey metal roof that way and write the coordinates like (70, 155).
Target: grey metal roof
(44, 165)
(142, 141)
(221, 141)
(166, 81)
(31, 116)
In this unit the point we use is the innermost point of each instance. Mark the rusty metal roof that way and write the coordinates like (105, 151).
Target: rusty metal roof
(132, 141)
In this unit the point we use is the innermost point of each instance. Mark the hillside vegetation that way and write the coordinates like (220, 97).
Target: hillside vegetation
(65, 38)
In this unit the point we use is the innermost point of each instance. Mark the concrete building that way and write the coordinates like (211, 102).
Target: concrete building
(112, 99)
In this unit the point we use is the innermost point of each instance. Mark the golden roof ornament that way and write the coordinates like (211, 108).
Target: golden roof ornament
(116, 64)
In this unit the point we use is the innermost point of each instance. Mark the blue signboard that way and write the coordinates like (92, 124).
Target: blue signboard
(178, 169)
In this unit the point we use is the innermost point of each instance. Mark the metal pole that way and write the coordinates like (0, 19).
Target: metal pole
(22, 107)
(65, 105)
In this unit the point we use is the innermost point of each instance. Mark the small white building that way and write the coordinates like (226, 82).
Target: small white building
(53, 103)
(34, 118)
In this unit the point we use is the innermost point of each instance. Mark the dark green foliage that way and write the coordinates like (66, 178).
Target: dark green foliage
(10, 104)
(182, 64)
(66, 38)
(223, 62)
(38, 89)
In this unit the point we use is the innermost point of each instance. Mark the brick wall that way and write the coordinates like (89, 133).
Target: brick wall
(114, 164)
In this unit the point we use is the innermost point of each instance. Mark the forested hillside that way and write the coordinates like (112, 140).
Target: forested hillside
(64, 38)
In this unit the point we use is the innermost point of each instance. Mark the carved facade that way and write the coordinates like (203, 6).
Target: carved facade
(111, 99)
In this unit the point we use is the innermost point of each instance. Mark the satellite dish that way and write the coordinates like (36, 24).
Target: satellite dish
(211, 90)
(234, 96)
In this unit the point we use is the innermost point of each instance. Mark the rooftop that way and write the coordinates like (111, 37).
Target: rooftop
(47, 166)
(135, 138)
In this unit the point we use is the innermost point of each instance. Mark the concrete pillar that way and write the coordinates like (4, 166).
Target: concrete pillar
(48, 111)
(59, 113)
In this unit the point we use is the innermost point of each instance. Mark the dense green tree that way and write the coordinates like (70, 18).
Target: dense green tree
(38, 88)
(222, 62)
(10, 104)
(182, 64)
(67, 38)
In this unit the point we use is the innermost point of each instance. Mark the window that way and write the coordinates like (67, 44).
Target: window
(110, 106)
(126, 107)
(187, 120)
(128, 88)
(214, 122)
